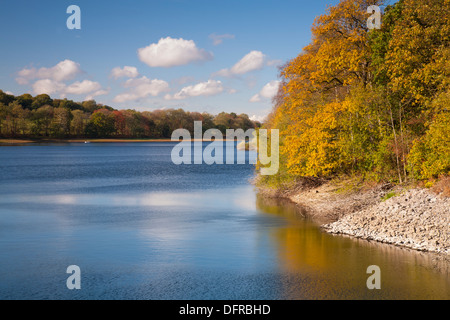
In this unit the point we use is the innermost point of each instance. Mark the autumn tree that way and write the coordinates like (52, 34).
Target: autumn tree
(358, 100)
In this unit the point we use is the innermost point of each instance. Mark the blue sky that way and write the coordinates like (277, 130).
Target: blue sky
(198, 55)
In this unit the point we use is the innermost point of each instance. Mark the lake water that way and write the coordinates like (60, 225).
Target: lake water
(140, 227)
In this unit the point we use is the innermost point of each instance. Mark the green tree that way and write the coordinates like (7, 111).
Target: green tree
(42, 119)
(67, 104)
(223, 121)
(100, 125)
(41, 100)
(6, 98)
(79, 122)
(89, 106)
(3, 114)
(16, 119)
(26, 100)
(61, 122)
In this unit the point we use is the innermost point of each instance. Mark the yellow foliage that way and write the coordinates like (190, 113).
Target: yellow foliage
(334, 116)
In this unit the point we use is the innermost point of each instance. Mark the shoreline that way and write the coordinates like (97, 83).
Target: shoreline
(27, 141)
(408, 216)
(30, 141)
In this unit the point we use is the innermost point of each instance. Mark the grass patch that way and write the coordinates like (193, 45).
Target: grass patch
(389, 195)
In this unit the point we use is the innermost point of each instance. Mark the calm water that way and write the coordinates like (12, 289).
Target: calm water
(140, 227)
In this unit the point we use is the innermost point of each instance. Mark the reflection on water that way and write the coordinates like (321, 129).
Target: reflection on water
(160, 199)
(337, 264)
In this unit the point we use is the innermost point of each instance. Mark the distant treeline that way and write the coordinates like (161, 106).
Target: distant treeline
(26, 116)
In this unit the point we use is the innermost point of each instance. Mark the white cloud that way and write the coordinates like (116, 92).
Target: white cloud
(267, 92)
(64, 70)
(9, 92)
(258, 118)
(53, 80)
(209, 88)
(270, 90)
(218, 38)
(48, 86)
(84, 87)
(51, 87)
(250, 62)
(140, 88)
(126, 72)
(169, 52)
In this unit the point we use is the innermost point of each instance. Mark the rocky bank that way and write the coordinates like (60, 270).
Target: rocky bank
(416, 218)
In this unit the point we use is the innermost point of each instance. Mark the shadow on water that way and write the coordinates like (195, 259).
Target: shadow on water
(323, 266)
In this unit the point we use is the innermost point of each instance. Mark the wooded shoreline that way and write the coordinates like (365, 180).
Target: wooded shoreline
(36, 141)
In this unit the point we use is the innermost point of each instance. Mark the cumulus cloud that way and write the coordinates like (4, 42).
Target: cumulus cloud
(48, 86)
(169, 52)
(267, 92)
(51, 87)
(252, 61)
(63, 71)
(218, 38)
(53, 80)
(209, 88)
(141, 88)
(125, 72)
(83, 87)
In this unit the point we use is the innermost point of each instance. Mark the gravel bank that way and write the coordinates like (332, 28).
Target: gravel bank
(417, 219)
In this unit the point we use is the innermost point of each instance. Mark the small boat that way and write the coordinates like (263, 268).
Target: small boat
(87, 142)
